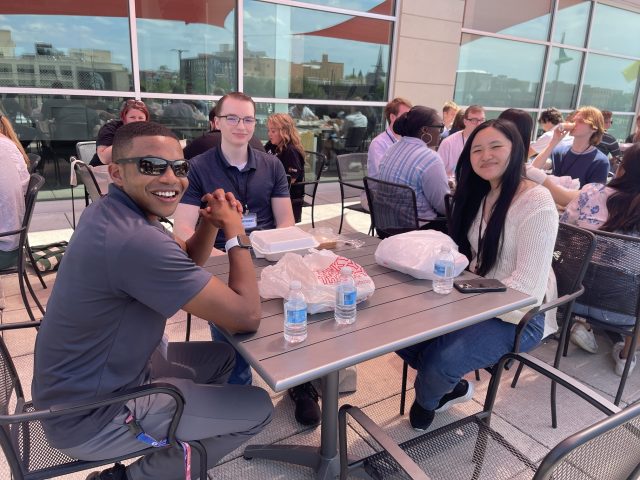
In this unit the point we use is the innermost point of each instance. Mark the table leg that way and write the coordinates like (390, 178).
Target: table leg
(323, 460)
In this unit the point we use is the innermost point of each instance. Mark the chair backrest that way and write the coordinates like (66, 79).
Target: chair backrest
(10, 387)
(313, 167)
(86, 150)
(608, 449)
(34, 161)
(393, 207)
(355, 138)
(351, 169)
(571, 256)
(612, 281)
(85, 175)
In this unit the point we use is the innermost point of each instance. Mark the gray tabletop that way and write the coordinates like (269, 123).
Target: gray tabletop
(403, 311)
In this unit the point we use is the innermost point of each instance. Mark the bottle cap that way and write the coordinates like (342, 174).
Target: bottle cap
(346, 271)
(295, 285)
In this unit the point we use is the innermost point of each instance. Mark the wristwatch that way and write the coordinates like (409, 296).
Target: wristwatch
(241, 241)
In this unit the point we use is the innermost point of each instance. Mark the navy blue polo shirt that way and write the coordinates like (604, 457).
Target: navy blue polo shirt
(262, 179)
(121, 277)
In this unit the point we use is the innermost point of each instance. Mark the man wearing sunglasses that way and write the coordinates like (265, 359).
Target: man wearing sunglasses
(122, 277)
(451, 147)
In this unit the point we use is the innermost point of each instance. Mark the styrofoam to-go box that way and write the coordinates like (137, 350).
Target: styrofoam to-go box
(273, 244)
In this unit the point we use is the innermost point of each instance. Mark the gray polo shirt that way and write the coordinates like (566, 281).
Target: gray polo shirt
(262, 178)
(121, 278)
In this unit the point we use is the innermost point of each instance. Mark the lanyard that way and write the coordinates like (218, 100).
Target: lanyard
(393, 139)
(480, 236)
(243, 181)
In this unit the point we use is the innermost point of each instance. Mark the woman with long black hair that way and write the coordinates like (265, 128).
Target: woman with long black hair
(506, 225)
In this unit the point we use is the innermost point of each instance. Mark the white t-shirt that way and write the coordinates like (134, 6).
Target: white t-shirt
(544, 139)
(13, 186)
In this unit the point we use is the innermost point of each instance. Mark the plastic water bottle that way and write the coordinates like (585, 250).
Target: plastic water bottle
(443, 268)
(346, 294)
(295, 314)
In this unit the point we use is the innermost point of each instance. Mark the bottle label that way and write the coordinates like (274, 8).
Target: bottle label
(348, 298)
(297, 316)
(443, 269)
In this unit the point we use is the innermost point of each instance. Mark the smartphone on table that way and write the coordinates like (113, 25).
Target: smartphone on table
(479, 285)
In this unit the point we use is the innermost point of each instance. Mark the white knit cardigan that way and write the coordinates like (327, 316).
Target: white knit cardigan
(524, 257)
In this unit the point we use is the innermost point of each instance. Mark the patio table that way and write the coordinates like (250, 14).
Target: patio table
(403, 311)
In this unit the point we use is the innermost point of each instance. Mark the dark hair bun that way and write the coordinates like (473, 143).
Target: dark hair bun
(400, 125)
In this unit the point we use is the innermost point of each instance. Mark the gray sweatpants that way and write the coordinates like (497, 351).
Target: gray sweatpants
(221, 416)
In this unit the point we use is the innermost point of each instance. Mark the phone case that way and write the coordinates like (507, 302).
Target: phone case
(479, 285)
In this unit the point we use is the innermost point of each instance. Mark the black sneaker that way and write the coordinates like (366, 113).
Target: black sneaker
(117, 472)
(420, 418)
(306, 400)
(462, 392)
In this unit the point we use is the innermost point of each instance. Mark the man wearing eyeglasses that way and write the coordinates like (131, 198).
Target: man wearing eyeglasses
(451, 147)
(123, 275)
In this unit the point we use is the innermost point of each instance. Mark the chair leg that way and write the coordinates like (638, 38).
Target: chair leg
(33, 264)
(32, 292)
(516, 377)
(313, 204)
(341, 216)
(554, 412)
(627, 366)
(73, 208)
(25, 300)
(403, 390)
(188, 327)
(477, 375)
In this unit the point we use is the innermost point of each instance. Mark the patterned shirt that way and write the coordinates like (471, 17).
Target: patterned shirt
(589, 208)
(411, 162)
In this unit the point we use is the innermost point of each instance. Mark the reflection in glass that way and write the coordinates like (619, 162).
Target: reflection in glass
(65, 51)
(187, 48)
(561, 90)
(330, 129)
(520, 18)
(621, 127)
(491, 72)
(610, 83)
(188, 119)
(615, 30)
(299, 53)
(571, 22)
(374, 6)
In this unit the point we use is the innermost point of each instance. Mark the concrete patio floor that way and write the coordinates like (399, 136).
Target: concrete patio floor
(522, 414)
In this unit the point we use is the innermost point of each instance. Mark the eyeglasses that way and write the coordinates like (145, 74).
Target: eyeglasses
(156, 166)
(475, 121)
(439, 127)
(135, 103)
(234, 120)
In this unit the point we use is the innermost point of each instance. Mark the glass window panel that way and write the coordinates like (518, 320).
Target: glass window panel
(65, 46)
(330, 133)
(521, 18)
(374, 6)
(610, 83)
(615, 30)
(563, 74)
(491, 72)
(621, 127)
(571, 22)
(299, 53)
(188, 119)
(187, 47)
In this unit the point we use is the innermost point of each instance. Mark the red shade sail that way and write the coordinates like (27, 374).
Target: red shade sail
(211, 12)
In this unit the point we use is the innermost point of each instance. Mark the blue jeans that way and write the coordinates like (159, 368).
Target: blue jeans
(606, 316)
(441, 362)
(241, 374)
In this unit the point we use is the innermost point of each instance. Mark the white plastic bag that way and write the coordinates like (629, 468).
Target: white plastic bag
(318, 272)
(413, 253)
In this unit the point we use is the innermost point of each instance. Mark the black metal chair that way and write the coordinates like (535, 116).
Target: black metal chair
(612, 282)
(471, 448)
(35, 184)
(91, 187)
(351, 172)
(86, 150)
(572, 252)
(313, 166)
(352, 142)
(22, 437)
(34, 162)
(392, 206)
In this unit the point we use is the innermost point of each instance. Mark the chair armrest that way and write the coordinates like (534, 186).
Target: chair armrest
(388, 444)
(581, 390)
(558, 302)
(12, 232)
(19, 325)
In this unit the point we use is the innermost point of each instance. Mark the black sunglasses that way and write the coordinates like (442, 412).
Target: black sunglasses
(156, 166)
(439, 127)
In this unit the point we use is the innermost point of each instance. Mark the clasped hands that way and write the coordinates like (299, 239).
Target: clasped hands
(222, 210)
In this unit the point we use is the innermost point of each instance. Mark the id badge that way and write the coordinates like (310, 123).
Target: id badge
(249, 220)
